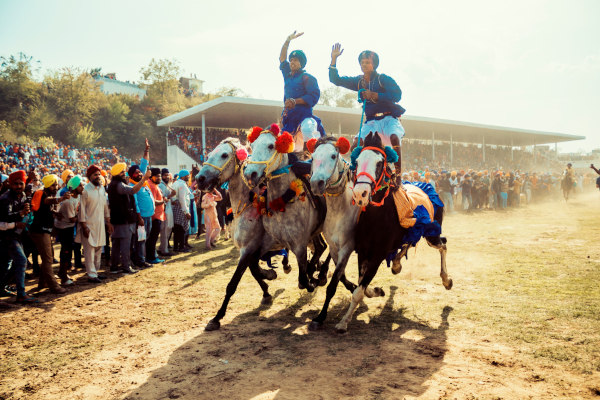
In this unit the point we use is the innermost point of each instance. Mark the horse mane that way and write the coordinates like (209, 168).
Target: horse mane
(373, 140)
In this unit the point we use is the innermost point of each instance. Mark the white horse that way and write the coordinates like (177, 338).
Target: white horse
(297, 226)
(224, 165)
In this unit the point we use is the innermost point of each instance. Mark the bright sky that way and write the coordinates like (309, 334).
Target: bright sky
(525, 64)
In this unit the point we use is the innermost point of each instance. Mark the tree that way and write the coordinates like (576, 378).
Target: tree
(162, 79)
(334, 96)
(75, 98)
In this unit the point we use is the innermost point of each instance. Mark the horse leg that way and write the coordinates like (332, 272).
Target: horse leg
(247, 259)
(320, 246)
(438, 242)
(287, 268)
(322, 278)
(340, 267)
(349, 285)
(256, 272)
(303, 282)
(397, 263)
(368, 272)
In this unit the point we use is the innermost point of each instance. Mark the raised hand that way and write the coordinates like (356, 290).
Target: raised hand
(294, 35)
(336, 51)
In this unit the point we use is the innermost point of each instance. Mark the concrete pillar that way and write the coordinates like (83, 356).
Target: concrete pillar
(432, 145)
(451, 151)
(483, 148)
(203, 138)
(339, 128)
(512, 156)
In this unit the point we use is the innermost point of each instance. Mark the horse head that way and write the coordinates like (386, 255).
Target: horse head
(269, 153)
(221, 164)
(371, 169)
(327, 165)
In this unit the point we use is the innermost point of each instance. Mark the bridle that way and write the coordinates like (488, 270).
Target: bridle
(267, 163)
(220, 169)
(379, 183)
(340, 178)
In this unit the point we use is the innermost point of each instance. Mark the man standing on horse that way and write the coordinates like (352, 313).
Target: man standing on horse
(301, 92)
(380, 93)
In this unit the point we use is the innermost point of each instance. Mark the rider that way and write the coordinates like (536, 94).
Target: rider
(301, 93)
(381, 94)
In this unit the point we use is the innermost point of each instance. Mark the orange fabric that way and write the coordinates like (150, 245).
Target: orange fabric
(36, 201)
(407, 201)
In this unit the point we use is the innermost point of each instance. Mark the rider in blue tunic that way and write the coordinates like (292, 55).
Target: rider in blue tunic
(380, 93)
(301, 92)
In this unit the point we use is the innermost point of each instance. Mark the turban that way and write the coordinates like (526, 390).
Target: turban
(155, 171)
(165, 171)
(132, 169)
(74, 182)
(4, 177)
(103, 172)
(49, 180)
(92, 169)
(369, 54)
(17, 176)
(299, 54)
(65, 175)
(183, 173)
(118, 168)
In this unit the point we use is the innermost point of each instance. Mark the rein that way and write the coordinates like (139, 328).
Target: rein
(220, 169)
(268, 163)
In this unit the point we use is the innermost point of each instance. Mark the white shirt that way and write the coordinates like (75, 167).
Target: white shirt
(93, 209)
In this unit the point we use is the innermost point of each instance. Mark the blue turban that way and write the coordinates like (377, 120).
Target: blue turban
(299, 54)
(183, 173)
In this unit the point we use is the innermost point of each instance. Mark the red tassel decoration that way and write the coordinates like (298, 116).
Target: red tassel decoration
(254, 134)
(310, 145)
(343, 145)
(284, 143)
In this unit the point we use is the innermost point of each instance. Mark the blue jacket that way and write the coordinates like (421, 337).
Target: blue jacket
(144, 201)
(387, 89)
(299, 85)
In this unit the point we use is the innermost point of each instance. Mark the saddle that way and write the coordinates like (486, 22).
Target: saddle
(407, 201)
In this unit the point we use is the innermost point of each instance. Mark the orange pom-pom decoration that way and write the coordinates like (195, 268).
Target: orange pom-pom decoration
(343, 145)
(284, 143)
(254, 134)
(275, 129)
(310, 145)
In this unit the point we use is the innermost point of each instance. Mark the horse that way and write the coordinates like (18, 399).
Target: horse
(378, 232)
(566, 185)
(224, 164)
(293, 221)
(330, 176)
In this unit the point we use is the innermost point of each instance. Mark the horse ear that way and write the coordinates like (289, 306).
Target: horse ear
(254, 134)
(343, 145)
(311, 144)
(275, 129)
(284, 143)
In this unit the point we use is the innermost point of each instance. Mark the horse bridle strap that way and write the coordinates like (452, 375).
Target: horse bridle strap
(220, 169)
(267, 163)
(377, 182)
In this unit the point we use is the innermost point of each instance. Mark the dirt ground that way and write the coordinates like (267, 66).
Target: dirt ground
(522, 321)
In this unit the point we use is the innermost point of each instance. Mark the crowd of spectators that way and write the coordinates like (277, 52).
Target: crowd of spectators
(190, 139)
(107, 211)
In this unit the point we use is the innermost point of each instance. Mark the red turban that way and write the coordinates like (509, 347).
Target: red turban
(17, 175)
(92, 169)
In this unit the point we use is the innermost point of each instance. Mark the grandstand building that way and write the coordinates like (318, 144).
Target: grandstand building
(236, 113)
(110, 85)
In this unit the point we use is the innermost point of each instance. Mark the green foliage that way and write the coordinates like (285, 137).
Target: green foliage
(86, 137)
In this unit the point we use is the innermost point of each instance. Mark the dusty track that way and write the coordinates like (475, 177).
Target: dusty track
(522, 321)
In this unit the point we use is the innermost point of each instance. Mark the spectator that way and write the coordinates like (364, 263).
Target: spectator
(211, 220)
(167, 226)
(181, 211)
(65, 221)
(157, 219)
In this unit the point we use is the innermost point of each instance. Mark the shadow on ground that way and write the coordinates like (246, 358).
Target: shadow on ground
(275, 357)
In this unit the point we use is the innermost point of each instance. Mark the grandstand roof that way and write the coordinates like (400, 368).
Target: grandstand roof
(242, 113)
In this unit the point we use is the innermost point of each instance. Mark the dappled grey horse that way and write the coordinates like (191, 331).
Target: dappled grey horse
(299, 224)
(330, 177)
(224, 165)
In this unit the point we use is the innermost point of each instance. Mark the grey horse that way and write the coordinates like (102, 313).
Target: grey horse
(330, 177)
(223, 165)
(297, 226)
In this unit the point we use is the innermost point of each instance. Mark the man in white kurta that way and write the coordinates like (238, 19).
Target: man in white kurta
(93, 216)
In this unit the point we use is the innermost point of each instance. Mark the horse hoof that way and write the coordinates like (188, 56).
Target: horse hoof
(287, 269)
(267, 300)
(213, 325)
(310, 288)
(315, 326)
(378, 292)
(270, 274)
(323, 281)
(301, 286)
(341, 331)
(448, 286)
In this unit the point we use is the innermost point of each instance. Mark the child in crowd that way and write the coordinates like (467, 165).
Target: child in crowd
(211, 219)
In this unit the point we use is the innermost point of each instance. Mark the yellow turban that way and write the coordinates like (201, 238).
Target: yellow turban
(65, 174)
(49, 180)
(118, 168)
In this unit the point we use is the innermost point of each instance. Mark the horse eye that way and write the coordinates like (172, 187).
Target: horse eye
(224, 155)
(271, 147)
(333, 156)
